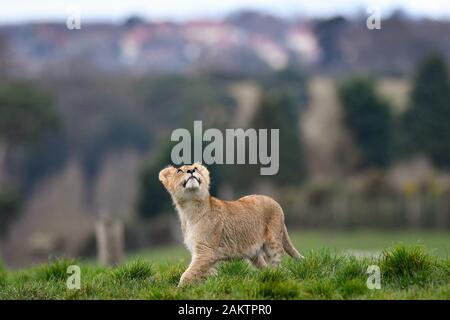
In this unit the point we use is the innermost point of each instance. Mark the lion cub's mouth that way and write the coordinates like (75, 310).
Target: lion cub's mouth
(191, 177)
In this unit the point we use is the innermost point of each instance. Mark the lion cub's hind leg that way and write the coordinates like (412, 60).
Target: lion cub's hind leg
(258, 260)
(273, 249)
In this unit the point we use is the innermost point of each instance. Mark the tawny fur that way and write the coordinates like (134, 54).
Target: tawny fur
(251, 228)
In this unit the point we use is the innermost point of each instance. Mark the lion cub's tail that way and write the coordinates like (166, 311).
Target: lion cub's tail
(289, 247)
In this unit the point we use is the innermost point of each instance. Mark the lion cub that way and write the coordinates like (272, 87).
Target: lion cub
(251, 227)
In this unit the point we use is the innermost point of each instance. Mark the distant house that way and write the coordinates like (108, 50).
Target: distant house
(302, 40)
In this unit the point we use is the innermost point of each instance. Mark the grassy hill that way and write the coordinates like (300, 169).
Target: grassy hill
(408, 271)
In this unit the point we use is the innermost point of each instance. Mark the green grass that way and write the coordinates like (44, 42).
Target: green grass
(409, 270)
(361, 242)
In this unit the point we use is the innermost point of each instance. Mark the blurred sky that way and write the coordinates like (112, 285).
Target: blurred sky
(116, 10)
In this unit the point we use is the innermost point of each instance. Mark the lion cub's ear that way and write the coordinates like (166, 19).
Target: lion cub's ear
(165, 174)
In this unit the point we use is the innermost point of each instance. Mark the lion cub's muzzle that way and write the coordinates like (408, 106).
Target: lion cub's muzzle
(190, 182)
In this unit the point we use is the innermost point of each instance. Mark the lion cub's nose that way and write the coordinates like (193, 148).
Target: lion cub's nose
(191, 171)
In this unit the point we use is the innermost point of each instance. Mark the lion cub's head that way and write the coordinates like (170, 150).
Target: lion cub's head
(186, 182)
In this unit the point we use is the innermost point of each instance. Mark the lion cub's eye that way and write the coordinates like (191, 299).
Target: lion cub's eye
(179, 171)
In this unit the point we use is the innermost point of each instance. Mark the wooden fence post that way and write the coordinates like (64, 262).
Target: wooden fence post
(110, 239)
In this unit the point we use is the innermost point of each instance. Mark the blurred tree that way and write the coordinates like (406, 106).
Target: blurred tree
(289, 81)
(119, 132)
(133, 21)
(427, 121)
(26, 114)
(180, 100)
(153, 199)
(368, 117)
(330, 32)
(4, 63)
(279, 110)
(42, 159)
(10, 203)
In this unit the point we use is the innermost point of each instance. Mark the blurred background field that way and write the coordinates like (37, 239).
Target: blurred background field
(86, 117)
(362, 243)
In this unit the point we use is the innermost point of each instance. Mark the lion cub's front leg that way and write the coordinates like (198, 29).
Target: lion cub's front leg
(200, 267)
